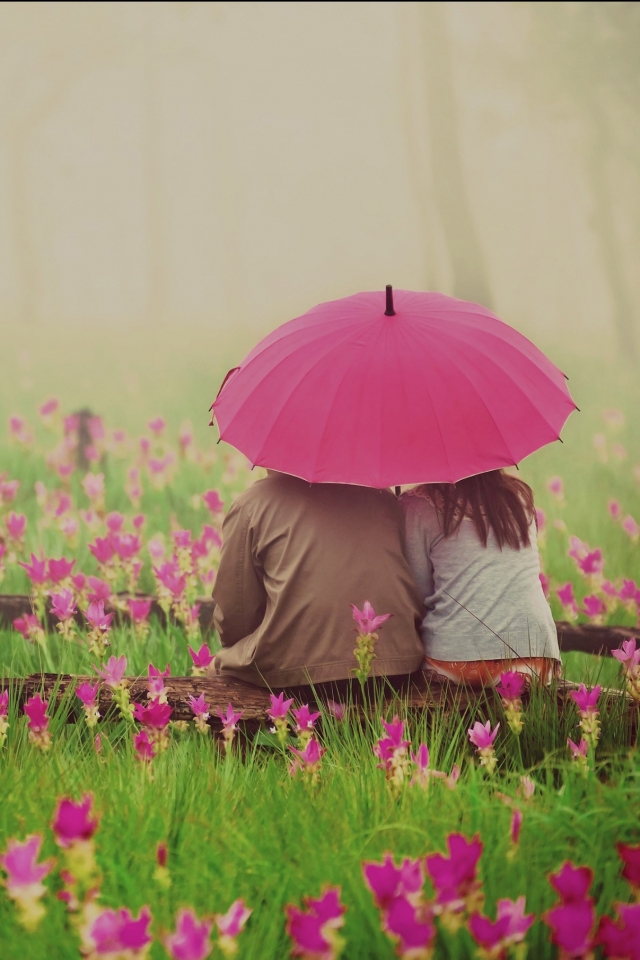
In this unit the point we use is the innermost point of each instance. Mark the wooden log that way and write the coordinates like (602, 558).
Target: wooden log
(421, 693)
(584, 637)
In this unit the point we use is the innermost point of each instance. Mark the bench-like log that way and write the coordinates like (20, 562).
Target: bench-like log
(584, 637)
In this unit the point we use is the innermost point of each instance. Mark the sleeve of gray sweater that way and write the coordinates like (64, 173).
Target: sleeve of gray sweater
(418, 546)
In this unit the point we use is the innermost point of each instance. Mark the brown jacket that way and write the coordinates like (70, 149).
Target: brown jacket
(294, 556)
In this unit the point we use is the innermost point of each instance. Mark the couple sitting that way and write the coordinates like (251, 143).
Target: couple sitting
(456, 565)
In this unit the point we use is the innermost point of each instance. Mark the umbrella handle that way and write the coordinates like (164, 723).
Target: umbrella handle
(389, 312)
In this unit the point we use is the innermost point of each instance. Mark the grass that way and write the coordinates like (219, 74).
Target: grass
(240, 825)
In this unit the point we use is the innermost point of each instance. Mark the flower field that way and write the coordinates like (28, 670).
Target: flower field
(489, 829)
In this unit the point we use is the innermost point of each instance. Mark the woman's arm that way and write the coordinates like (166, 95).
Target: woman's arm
(239, 595)
(417, 547)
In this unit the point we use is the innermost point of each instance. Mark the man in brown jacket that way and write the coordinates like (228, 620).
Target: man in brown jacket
(294, 557)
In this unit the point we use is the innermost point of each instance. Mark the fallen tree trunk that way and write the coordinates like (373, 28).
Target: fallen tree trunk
(584, 637)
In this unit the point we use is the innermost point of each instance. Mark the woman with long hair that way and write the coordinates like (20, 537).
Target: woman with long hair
(473, 552)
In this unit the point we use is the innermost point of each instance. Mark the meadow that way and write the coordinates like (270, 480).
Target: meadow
(183, 825)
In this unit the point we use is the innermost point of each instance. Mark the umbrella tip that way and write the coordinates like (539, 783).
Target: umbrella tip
(389, 312)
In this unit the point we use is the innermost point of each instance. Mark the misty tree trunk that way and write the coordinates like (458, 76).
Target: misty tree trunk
(605, 227)
(470, 280)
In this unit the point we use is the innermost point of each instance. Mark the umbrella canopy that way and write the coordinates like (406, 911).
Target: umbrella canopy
(411, 388)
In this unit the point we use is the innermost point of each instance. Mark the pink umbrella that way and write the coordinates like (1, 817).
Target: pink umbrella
(433, 391)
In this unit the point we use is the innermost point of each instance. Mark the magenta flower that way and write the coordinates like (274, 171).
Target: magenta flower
(567, 599)
(279, 707)
(201, 659)
(191, 940)
(88, 693)
(541, 519)
(308, 760)
(630, 857)
(63, 605)
(630, 527)
(100, 590)
(594, 607)
(171, 579)
(157, 689)
(155, 716)
(15, 525)
(72, 822)
(555, 486)
(454, 877)
(139, 610)
(102, 550)
(96, 616)
(620, 941)
(29, 626)
(545, 583)
(571, 883)
(366, 618)
(59, 570)
(36, 710)
(314, 932)
(337, 710)
(229, 719)
(115, 933)
(182, 539)
(4, 703)
(126, 546)
(572, 920)
(49, 407)
(510, 927)
(114, 671)
(144, 747)
(511, 684)
(114, 521)
(157, 425)
(591, 563)
(411, 927)
(8, 489)
(481, 735)
(305, 720)
(230, 925)
(213, 501)
(516, 826)
(392, 751)
(201, 710)
(587, 700)
(627, 654)
(421, 760)
(579, 751)
(24, 878)
(629, 592)
(386, 881)
(36, 570)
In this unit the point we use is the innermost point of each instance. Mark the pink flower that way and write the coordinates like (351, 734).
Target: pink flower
(144, 747)
(4, 703)
(392, 750)
(305, 720)
(155, 716)
(96, 616)
(516, 826)
(191, 940)
(555, 486)
(629, 592)
(615, 509)
(63, 605)
(481, 735)
(201, 709)
(578, 750)
(627, 654)
(36, 570)
(229, 719)
(366, 618)
(510, 927)
(592, 563)
(231, 924)
(411, 927)
(567, 599)
(541, 519)
(593, 607)
(100, 590)
(621, 942)
(49, 407)
(15, 525)
(337, 710)
(139, 610)
(510, 686)
(96, 429)
(587, 700)
(126, 545)
(73, 822)
(545, 583)
(88, 693)
(114, 671)
(29, 626)
(213, 501)
(19, 863)
(182, 539)
(202, 658)
(115, 933)
(114, 521)
(314, 931)
(630, 527)
(157, 425)
(308, 759)
(36, 710)
(59, 570)
(572, 920)
(279, 707)
(527, 787)
(93, 486)
(157, 677)
(386, 881)
(8, 489)
(454, 877)
(139, 521)
(102, 549)
(170, 578)
(421, 760)
(630, 857)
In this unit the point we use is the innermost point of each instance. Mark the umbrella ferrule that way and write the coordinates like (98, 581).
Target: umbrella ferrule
(389, 312)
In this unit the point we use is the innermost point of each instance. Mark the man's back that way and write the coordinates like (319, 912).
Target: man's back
(294, 557)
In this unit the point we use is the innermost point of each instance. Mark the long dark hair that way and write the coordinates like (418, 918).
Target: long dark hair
(494, 501)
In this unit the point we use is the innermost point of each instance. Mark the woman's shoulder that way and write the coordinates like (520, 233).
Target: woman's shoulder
(418, 502)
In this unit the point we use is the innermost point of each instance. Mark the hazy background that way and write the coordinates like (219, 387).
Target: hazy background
(178, 178)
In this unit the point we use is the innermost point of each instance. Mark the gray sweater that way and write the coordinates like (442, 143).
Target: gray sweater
(500, 590)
